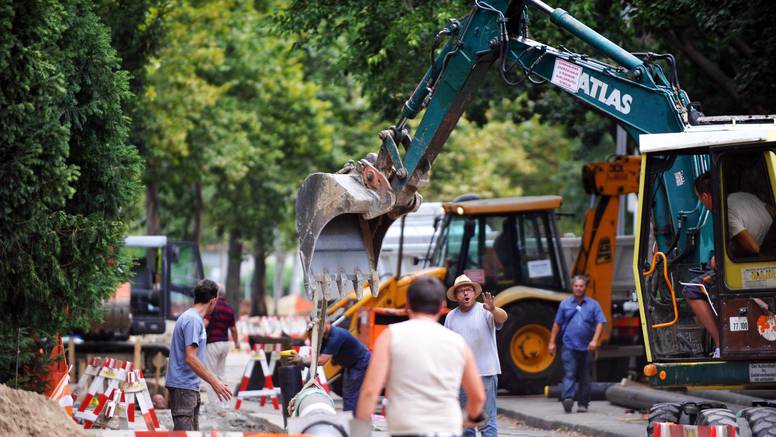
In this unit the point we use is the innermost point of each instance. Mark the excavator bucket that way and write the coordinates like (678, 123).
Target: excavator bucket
(341, 220)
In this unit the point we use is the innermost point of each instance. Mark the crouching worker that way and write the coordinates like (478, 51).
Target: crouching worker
(344, 350)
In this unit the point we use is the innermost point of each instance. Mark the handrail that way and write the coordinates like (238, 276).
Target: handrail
(670, 287)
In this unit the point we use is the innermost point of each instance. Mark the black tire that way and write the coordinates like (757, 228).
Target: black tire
(762, 421)
(517, 380)
(667, 412)
(717, 416)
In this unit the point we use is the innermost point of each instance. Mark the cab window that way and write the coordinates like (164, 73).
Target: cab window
(749, 205)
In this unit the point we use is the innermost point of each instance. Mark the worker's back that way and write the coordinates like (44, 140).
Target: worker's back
(424, 380)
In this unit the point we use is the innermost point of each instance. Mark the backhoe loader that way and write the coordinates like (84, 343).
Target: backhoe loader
(342, 217)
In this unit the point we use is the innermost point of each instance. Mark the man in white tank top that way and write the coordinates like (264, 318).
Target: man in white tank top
(422, 366)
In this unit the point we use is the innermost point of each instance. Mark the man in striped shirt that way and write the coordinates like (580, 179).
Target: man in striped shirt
(219, 323)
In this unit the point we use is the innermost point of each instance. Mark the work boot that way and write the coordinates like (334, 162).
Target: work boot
(567, 404)
(582, 409)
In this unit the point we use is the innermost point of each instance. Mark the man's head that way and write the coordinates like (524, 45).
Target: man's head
(703, 189)
(465, 292)
(426, 295)
(206, 293)
(221, 291)
(578, 285)
(326, 329)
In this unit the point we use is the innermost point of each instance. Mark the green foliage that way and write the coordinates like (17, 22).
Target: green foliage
(67, 169)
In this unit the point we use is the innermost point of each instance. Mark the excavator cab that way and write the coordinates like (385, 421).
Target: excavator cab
(164, 274)
(696, 240)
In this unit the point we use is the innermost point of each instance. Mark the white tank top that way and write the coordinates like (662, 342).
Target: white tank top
(424, 379)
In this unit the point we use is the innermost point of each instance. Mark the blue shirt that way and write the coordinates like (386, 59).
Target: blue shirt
(189, 330)
(345, 349)
(577, 321)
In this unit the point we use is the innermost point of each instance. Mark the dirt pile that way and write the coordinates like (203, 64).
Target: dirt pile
(24, 413)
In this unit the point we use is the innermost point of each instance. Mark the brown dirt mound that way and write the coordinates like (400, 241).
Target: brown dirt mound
(24, 413)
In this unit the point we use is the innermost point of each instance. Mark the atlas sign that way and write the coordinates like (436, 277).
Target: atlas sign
(572, 78)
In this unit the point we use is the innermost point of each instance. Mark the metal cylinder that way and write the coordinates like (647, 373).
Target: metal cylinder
(313, 400)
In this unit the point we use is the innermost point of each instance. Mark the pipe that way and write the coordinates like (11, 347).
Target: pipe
(640, 397)
(565, 21)
(597, 391)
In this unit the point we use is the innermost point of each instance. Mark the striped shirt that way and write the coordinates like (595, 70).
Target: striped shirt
(221, 319)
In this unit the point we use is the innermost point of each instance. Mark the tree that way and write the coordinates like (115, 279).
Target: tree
(68, 174)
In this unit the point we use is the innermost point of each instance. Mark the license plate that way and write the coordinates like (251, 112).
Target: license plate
(739, 324)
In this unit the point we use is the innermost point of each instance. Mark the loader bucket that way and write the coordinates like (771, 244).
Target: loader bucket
(341, 220)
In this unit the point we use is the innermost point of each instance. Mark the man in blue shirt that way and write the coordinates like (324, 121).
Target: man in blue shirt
(344, 350)
(187, 355)
(581, 320)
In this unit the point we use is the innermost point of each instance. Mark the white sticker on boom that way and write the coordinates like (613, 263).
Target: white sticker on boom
(566, 75)
(540, 268)
(679, 178)
(762, 372)
(739, 324)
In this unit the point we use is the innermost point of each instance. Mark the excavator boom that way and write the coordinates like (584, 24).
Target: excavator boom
(342, 217)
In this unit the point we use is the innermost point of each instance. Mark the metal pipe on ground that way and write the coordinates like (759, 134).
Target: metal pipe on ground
(726, 396)
(314, 414)
(641, 397)
(597, 391)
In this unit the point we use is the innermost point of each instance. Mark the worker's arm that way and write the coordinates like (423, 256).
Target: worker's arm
(746, 243)
(375, 378)
(552, 347)
(472, 386)
(235, 337)
(595, 343)
(499, 315)
(221, 389)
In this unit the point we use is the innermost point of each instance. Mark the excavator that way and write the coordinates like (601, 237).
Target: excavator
(342, 217)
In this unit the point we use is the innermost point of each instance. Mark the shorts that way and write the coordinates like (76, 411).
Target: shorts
(708, 279)
(184, 407)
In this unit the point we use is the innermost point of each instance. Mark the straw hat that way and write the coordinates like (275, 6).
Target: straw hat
(463, 280)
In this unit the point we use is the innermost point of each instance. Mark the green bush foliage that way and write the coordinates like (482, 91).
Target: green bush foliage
(68, 172)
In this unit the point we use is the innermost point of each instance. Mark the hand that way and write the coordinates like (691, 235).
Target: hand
(592, 346)
(551, 348)
(237, 344)
(488, 301)
(222, 390)
(713, 263)
(474, 422)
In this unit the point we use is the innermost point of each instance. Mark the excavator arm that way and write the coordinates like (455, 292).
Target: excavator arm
(342, 218)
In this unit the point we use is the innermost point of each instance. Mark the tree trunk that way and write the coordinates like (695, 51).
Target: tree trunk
(198, 207)
(258, 285)
(153, 223)
(233, 290)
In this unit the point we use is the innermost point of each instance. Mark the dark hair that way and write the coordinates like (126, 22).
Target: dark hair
(703, 183)
(426, 295)
(205, 290)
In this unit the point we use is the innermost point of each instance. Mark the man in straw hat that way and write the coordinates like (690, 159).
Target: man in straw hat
(477, 323)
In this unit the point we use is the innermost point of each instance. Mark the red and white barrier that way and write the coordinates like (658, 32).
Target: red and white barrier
(125, 385)
(267, 369)
(678, 430)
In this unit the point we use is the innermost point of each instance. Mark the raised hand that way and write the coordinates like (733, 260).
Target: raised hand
(488, 301)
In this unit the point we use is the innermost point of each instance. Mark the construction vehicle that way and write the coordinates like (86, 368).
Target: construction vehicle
(165, 273)
(512, 246)
(342, 217)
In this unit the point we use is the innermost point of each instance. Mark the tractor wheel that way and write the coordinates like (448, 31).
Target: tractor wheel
(762, 421)
(668, 412)
(717, 416)
(526, 366)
